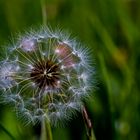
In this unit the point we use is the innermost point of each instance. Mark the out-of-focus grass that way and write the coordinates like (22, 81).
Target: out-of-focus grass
(112, 29)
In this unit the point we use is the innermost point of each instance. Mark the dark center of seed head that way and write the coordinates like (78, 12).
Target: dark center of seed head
(45, 73)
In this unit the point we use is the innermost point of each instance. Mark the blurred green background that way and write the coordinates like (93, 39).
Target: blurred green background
(111, 28)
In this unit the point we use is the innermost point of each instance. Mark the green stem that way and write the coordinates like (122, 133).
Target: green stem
(46, 133)
(92, 137)
(44, 12)
(88, 124)
(7, 132)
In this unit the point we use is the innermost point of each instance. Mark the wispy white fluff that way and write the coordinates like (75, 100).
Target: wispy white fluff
(57, 103)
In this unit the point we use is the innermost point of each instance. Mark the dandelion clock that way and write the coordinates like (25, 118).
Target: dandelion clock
(45, 76)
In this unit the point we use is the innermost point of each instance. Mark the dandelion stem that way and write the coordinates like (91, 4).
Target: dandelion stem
(7, 132)
(46, 133)
(44, 13)
(88, 124)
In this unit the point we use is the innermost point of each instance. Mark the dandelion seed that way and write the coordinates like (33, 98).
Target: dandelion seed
(7, 73)
(29, 44)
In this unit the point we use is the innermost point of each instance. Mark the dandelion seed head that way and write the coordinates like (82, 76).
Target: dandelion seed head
(47, 75)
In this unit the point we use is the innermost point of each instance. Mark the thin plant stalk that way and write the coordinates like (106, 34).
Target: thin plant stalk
(88, 124)
(46, 132)
(44, 12)
(7, 132)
